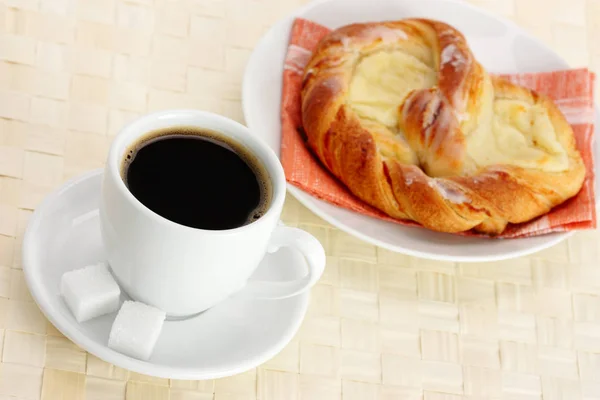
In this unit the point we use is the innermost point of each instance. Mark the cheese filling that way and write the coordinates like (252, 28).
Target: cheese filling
(512, 132)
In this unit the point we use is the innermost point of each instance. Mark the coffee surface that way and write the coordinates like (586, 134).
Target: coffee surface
(197, 178)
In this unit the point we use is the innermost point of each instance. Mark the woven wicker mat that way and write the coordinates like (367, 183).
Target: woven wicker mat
(380, 325)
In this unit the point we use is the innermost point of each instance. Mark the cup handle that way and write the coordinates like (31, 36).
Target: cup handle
(313, 253)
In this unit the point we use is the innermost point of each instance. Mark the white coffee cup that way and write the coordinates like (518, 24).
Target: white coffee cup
(184, 270)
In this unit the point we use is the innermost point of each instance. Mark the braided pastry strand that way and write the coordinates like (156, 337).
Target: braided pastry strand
(404, 116)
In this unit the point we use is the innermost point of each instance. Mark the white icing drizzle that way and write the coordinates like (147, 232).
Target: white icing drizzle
(328, 84)
(445, 123)
(494, 171)
(410, 177)
(387, 34)
(448, 193)
(428, 119)
(432, 107)
(453, 56)
(346, 43)
(297, 56)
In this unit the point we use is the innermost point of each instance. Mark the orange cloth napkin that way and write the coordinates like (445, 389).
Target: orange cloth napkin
(570, 89)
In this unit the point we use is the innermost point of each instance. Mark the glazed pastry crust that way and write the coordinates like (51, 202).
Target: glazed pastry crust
(412, 124)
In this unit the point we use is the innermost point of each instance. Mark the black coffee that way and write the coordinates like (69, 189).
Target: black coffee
(197, 178)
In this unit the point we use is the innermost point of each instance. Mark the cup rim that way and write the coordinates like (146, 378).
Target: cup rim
(268, 158)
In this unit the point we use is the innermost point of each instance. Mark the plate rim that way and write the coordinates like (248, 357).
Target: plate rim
(557, 237)
(309, 201)
(70, 330)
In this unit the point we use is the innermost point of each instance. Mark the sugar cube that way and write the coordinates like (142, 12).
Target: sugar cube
(136, 329)
(90, 291)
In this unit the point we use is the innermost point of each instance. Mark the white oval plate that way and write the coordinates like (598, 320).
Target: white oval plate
(234, 336)
(500, 45)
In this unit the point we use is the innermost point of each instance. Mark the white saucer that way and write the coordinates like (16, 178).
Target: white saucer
(499, 44)
(236, 335)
